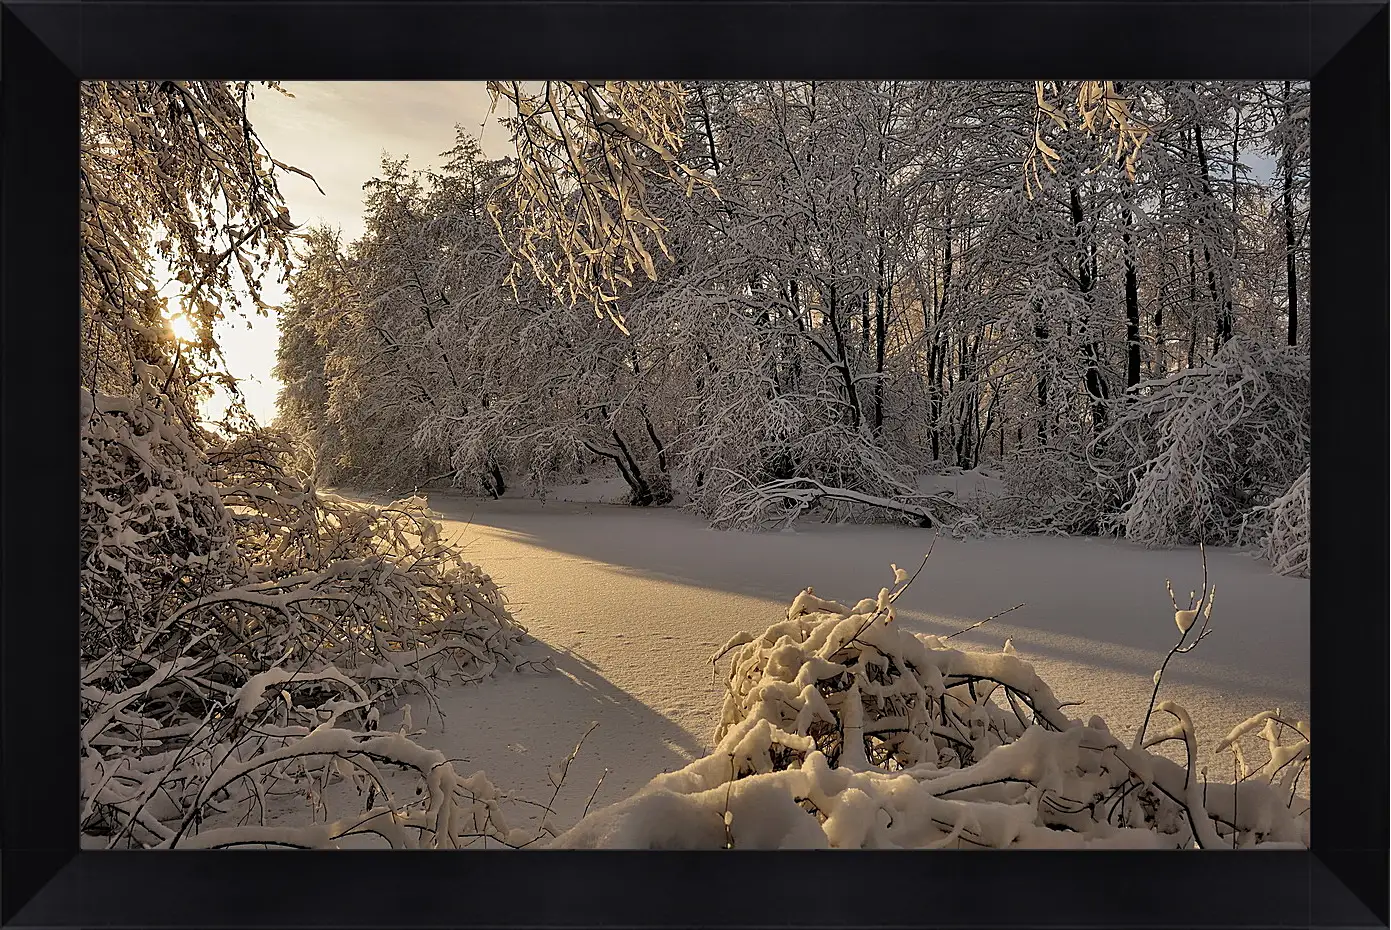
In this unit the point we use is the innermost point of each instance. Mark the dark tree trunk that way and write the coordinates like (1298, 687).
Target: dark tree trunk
(709, 128)
(1223, 300)
(843, 361)
(1132, 303)
(934, 389)
(794, 355)
(1097, 389)
(1132, 288)
(1041, 333)
(864, 322)
(656, 443)
(938, 357)
(970, 420)
(647, 421)
(963, 442)
(642, 494)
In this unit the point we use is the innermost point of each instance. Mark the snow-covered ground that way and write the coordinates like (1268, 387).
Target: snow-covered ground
(631, 603)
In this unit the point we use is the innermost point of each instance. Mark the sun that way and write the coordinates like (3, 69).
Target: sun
(182, 327)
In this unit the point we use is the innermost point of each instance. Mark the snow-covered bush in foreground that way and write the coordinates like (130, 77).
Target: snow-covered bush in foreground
(238, 625)
(1282, 529)
(456, 812)
(840, 729)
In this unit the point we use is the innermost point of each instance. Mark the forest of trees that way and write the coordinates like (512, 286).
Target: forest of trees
(756, 296)
(845, 284)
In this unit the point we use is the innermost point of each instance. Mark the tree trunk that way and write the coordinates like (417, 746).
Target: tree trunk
(1132, 289)
(641, 494)
(864, 322)
(498, 483)
(880, 325)
(709, 129)
(1132, 300)
(656, 443)
(1041, 333)
(793, 353)
(647, 421)
(938, 349)
(843, 361)
(1097, 389)
(1224, 298)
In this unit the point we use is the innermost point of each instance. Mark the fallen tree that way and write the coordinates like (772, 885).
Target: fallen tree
(779, 504)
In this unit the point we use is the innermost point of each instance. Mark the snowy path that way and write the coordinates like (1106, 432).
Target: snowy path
(634, 602)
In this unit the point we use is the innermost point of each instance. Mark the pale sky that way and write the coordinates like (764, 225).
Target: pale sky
(337, 131)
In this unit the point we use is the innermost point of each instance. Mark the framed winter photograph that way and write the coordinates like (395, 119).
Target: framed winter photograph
(814, 450)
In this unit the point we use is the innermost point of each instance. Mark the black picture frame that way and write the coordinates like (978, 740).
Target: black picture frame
(47, 47)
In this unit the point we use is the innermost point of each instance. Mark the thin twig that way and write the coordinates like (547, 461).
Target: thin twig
(983, 622)
(594, 793)
(1203, 609)
(565, 770)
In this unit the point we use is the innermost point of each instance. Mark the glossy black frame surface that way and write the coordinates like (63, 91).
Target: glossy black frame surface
(46, 47)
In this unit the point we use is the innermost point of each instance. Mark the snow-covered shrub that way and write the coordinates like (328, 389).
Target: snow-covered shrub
(1049, 490)
(230, 611)
(154, 532)
(1282, 529)
(1193, 453)
(455, 811)
(840, 729)
(845, 669)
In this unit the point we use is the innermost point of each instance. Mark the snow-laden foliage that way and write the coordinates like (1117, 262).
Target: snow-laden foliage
(859, 287)
(1191, 454)
(1100, 108)
(232, 616)
(154, 532)
(587, 153)
(171, 171)
(841, 729)
(455, 812)
(1049, 490)
(1282, 529)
